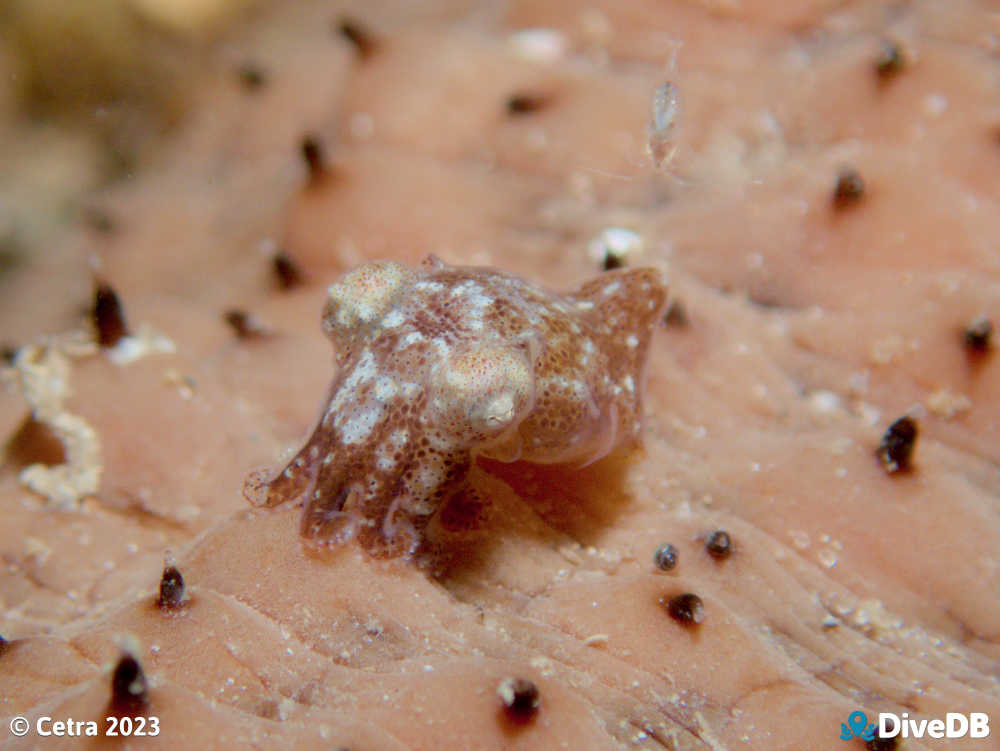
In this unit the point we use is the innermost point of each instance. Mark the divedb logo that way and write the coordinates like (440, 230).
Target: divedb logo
(954, 725)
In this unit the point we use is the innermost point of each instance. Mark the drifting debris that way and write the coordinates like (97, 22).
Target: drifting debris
(613, 246)
(525, 103)
(719, 545)
(665, 557)
(286, 270)
(129, 688)
(246, 325)
(890, 61)
(520, 699)
(662, 124)
(108, 316)
(978, 335)
(172, 591)
(362, 39)
(895, 452)
(686, 609)
(849, 190)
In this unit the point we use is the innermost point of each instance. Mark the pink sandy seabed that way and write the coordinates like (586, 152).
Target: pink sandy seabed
(810, 330)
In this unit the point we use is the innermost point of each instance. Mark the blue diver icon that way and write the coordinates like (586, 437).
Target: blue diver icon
(859, 727)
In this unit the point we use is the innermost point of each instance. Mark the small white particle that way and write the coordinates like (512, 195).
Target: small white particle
(539, 45)
(362, 126)
(145, 342)
(858, 382)
(935, 104)
(824, 401)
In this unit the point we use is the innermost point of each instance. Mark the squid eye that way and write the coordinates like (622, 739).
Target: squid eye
(486, 391)
(363, 297)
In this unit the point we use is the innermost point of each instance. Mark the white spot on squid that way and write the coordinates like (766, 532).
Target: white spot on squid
(425, 286)
(385, 388)
(359, 427)
(395, 318)
(365, 370)
(385, 463)
(429, 476)
(412, 338)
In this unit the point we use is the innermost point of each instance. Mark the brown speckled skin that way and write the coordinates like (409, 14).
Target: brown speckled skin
(440, 364)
